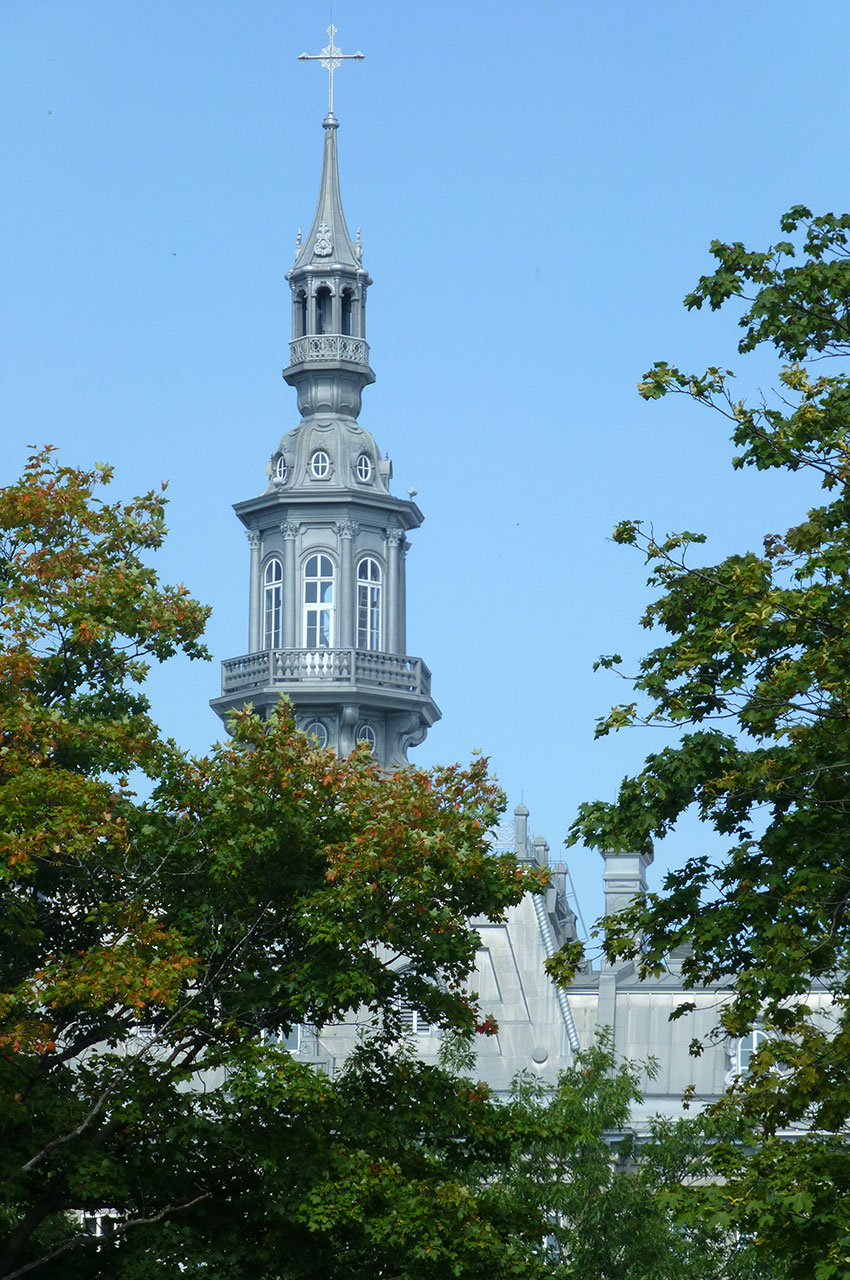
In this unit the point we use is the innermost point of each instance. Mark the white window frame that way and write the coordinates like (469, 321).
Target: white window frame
(363, 468)
(320, 464)
(273, 603)
(366, 733)
(412, 1022)
(370, 599)
(319, 627)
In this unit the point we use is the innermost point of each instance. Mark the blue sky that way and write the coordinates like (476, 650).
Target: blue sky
(537, 185)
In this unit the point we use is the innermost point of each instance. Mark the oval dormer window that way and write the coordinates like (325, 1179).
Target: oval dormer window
(279, 470)
(363, 467)
(365, 733)
(320, 465)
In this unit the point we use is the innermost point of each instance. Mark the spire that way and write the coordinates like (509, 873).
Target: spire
(328, 242)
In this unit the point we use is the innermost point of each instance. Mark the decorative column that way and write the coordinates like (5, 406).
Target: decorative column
(346, 530)
(289, 530)
(255, 641)
(394, 537)
(402, 596)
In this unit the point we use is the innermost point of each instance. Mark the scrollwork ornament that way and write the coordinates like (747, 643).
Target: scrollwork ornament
(323, 246)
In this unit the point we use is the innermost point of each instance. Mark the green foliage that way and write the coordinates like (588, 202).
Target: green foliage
(610, 1203)
(754, 665)
(147, 946)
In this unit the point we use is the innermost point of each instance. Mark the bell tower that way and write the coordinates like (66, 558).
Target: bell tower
(326, 615)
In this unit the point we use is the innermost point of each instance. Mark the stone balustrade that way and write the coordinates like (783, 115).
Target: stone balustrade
(329, 346)
(342, 668)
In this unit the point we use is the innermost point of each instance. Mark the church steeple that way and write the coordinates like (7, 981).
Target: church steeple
(326, 618)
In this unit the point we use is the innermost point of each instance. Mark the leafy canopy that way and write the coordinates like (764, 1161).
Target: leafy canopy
(753, 666)
(149, 947)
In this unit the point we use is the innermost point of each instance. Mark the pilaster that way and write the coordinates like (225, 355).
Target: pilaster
(394, 540)
(289, 531)
(254, 594)
(346, 530)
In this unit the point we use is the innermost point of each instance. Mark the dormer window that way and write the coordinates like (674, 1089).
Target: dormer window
(279, 470)
(365, 733)
(363, 468)
(320, 465)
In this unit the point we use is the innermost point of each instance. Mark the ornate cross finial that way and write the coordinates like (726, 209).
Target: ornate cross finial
(331, 59)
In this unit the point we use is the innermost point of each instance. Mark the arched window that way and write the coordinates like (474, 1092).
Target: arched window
(323, 310)
(301, 314)
(368, 604)
(273, 605)
(345, 314)
(319, 603)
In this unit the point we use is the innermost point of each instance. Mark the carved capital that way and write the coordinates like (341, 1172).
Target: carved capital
(289, 529)
(395, 537)
(253, 539)
(347, 528)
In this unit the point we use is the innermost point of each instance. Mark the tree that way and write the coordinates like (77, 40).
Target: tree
(754, 666)
(602, 1195)
(148, 944)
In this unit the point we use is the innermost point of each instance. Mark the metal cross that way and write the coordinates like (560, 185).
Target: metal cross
(331, 59)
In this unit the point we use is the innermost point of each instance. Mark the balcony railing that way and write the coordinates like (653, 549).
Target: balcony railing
(329, 346)
(341, 668)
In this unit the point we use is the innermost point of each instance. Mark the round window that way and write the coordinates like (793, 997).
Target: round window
(365, 733)
(320, 465)
(363, 469)
(279, 470)
(315, 729)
